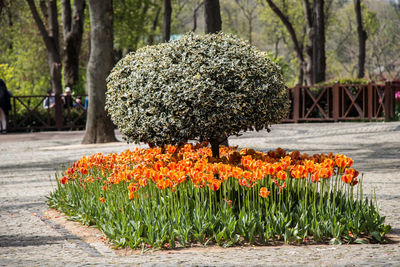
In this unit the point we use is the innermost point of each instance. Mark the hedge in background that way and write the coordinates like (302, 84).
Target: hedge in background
(201, 86)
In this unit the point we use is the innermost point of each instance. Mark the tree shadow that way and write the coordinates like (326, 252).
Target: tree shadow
(24, 241)
(22, 206)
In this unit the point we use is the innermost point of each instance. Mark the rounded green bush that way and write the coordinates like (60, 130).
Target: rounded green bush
(200, 86)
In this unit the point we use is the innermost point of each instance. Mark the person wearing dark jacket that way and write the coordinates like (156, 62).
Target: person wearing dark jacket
(5, 105)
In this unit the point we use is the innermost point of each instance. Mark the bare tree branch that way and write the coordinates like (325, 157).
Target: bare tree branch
(39, 22)
(248, 11)
(195, 15)
(289, 27)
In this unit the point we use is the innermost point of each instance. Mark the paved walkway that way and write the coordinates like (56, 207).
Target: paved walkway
(28, 163)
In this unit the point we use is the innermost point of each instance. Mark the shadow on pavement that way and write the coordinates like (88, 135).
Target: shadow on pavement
(24, 241)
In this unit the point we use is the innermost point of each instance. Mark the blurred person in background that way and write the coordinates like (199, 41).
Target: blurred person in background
(50, 100)
(5, 105)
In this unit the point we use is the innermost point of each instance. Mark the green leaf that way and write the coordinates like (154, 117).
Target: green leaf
(376, 236)
(335, 241)
(360, 241)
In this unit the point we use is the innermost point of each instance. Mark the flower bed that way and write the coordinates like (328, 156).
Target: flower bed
(170, 197)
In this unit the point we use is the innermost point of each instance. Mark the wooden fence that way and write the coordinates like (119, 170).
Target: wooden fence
(343, 102)
(338, 102)
(28, 114)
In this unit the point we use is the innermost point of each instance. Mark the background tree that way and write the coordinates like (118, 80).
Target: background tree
(310, 54)
(234, 20)
(195, 10)
(51, 40)
(382, 21)
(396, 5)
(186, 17)
(154, 26)
(73, 20)
(379, 21)
(99, 128)
(318, 41)
(249, 9)
(362, 39)
(212, 15)
(133, 23)
(167, 20)
(297, 40)
(23, 54)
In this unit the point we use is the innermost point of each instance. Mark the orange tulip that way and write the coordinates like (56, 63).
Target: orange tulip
(171, 149)
(175, 166)
(352, 172)
(315, 177)
(264, 192)
(64, 180)
(347, 178)
(158, 165)
(215, 185)
(349, 162)
(244, 182)
(309, 165)
(281, 175)
(84, 171)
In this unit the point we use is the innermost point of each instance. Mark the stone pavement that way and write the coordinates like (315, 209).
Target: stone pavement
(28, 163)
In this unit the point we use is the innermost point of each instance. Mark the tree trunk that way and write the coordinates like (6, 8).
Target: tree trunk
(167, 20)
(362, 39)
(318, 42)
(308, 62)
(212, 15)
(310, 29)
(51, 40)
(99, 128)
(72, 31)
(301, 74)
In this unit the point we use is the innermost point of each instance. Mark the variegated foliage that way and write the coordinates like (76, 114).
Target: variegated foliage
(200, 86)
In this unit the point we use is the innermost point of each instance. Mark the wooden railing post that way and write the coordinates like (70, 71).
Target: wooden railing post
(393, 99)
(296, 103)
(58, 112)
(335, 102)
(387, 101)
(15, 112)
(370, 103)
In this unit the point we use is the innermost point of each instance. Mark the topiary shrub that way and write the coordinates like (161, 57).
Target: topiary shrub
(200, 86)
